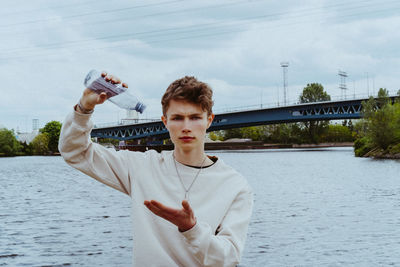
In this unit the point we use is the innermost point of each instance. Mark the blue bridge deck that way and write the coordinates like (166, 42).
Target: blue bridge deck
(330, 110)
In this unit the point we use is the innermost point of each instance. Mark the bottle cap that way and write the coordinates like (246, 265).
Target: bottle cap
(140, 107)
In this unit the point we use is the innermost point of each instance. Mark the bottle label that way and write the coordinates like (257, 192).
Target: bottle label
(101, 85)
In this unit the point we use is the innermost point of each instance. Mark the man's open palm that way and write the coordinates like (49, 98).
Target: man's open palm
(183, 218)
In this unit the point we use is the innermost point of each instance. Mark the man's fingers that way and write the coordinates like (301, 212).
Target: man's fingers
(112, 78)
(151, 207)
(186, 206)
(163, 207)
(157, 211)
(102, 98)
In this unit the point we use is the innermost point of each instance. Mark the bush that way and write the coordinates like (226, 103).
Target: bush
(362, 146)
(26, 149)
(337, 133)
(40, 145)
(9, 145)
(215, 136)
(395, 149)
(52, 130)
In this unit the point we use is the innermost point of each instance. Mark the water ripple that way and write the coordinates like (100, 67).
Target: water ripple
(312, 208)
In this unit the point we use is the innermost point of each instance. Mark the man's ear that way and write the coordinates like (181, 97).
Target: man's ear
(164, 120)
(210, 119)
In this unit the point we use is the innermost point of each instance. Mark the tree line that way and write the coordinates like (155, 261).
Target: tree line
(45, 143)
(378, 134)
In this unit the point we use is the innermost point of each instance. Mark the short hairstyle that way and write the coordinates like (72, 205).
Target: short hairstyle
(191, 90)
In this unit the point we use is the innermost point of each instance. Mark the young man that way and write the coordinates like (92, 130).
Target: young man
(189, 209)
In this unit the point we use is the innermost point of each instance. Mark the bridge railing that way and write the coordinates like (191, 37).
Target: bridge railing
(240, 108)
(123, 122)
(291, 103)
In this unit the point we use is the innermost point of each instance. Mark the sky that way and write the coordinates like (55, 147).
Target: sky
(236, 46)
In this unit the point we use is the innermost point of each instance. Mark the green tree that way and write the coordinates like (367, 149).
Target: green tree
(383, 93)
(216, 135)
(9, 145)
(360, 128)
(337, 133)
(213, 136)
(26, 149)
(232, 133)
(314, 92)
(40, 145)
(383, 97)
(380, 128)
(384, 126)
(369, 107)
(279, 133)
(52, 129)
(255, 133)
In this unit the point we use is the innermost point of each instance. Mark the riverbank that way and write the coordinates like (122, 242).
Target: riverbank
(237, 146)
(248, 145)
(381, 154)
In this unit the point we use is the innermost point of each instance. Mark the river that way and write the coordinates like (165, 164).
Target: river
(313, 207)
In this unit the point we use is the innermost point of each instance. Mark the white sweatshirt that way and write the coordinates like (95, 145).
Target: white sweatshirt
(220, 198)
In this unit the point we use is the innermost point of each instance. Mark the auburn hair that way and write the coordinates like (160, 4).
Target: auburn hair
(191, 90)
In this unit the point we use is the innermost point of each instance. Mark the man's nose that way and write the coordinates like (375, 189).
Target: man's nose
(186, 125)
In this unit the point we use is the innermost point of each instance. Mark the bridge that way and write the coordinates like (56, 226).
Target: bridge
(327, 110)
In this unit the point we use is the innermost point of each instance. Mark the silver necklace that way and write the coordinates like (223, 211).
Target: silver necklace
(194, 180)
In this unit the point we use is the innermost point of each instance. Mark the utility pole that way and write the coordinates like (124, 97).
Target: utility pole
(284, 66)
(277, 89)
(373, 86)
(342, 84)
(35, 124)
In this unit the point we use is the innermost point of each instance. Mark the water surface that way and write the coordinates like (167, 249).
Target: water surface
(315, 207)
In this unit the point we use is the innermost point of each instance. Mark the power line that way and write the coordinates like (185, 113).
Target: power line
(167, 31)
(49, 7)
(90, 13)
(174, 39)
(125, 9)
(219, 23)
(209, 34)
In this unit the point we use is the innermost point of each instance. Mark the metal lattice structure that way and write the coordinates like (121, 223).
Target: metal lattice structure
(332, 110)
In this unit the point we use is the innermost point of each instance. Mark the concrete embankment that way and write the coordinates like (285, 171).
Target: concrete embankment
(238, 146)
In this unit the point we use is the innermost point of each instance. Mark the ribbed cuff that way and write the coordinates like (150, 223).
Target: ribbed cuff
(192, 233)
(81, 119)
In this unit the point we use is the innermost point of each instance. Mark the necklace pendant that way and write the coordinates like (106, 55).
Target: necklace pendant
(187, 196)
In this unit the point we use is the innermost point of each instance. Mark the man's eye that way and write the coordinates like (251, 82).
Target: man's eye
(196, 118)
(176, 119)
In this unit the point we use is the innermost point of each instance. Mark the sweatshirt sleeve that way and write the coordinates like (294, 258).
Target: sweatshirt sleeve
(105, 165)
(225, 247)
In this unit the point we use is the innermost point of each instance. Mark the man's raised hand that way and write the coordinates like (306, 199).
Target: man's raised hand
(90, 99)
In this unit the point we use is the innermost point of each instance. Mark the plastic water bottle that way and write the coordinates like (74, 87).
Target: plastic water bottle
(116, 93)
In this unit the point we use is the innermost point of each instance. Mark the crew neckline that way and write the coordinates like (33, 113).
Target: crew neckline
(212, 158)
(215, 160)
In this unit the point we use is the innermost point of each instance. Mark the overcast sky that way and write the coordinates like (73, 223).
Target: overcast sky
(236, 46)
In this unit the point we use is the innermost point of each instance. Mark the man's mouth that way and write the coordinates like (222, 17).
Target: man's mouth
(186, 138)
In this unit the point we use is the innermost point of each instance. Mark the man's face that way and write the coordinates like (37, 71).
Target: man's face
(187, 124)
